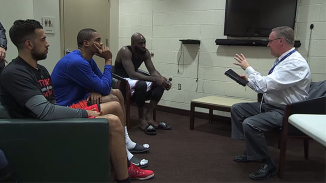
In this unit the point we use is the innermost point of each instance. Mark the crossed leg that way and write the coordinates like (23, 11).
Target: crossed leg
(116, 95)
(114, 104)
(117, 146)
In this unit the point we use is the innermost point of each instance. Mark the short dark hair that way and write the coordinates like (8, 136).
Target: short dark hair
(84, 34)
(22, 30)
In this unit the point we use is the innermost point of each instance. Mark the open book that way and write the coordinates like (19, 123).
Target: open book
(233, 75)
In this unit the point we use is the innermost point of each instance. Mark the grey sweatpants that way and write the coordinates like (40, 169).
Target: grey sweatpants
(249, 123)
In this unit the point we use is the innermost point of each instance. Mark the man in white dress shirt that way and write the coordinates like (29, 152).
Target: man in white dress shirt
(288, 81)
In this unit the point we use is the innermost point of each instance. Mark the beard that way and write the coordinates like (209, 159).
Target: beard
(38, 56)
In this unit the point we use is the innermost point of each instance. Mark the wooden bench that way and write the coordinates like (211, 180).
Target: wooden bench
(213, 103)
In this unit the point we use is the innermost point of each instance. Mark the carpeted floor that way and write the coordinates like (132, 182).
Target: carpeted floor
(205, 154)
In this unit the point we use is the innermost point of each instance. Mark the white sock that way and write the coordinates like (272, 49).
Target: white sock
(129, 155)
(129, 143)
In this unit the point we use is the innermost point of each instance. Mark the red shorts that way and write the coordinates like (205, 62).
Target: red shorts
(84, 105)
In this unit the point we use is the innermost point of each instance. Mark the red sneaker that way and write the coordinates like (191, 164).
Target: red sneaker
(139, 174)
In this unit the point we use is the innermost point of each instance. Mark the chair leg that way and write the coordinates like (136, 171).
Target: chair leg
(192, 116)
(154, 114)
(282, 158)
(210, 116)
(306, 148)
(279, 143)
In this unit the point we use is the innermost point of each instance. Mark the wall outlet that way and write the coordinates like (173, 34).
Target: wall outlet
(179, 86)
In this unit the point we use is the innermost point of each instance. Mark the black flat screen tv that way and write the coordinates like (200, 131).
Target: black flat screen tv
(256, 18)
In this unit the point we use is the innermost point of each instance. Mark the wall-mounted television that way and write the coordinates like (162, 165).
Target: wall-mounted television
(256, 18)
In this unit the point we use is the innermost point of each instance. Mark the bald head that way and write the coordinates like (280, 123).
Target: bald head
(137, 37)
(138, 42)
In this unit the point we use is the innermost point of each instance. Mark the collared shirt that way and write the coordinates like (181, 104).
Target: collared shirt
(288, 83)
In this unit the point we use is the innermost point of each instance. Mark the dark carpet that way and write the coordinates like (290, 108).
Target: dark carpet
(205, 154)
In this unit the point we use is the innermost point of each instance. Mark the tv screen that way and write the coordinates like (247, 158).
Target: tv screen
(256, 18)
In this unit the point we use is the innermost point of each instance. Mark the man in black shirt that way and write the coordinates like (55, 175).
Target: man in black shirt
(26, 91)
(129, 59)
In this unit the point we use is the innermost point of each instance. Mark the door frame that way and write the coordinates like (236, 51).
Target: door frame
(112, 27)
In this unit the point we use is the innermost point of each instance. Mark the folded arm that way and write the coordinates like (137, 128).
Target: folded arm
(85, 76)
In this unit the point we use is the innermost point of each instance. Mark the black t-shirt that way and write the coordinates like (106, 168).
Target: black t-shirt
(20, 82)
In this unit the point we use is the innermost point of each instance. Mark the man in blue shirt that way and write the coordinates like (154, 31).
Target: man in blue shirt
(78, 83)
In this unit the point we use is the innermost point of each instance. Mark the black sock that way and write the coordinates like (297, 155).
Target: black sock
(127, 180)
(269, 162)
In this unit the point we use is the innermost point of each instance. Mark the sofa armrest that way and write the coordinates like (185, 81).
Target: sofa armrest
(312, 106)
(122, 84)
(70, 150)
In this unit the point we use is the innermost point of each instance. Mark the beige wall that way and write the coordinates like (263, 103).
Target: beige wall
(164, 22)
(50, 8)
(114, 28)
(11, 10)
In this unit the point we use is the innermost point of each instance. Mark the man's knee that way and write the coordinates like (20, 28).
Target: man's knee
(248, 125)
(235, 107)
(234, 111)
(116, 92)
(115, 105)
(115, 124)
(141, 86)
(112, 106)
(114, 98)
(110, 98)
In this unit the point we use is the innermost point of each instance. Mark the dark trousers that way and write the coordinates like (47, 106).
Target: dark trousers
(249, 123)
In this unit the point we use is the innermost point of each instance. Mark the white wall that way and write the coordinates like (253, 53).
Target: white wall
(114, 28)
(11, 10)
(49, 8)
(313, 12)
(164, 22)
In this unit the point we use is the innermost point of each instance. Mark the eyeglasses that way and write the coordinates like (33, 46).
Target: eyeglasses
(271, 40)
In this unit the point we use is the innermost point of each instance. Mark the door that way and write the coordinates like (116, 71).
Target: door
(80, 14)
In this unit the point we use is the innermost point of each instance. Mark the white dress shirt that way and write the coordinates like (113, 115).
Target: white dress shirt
(289, 82)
